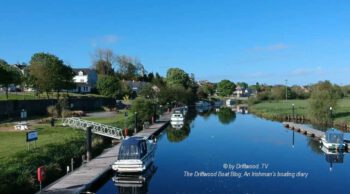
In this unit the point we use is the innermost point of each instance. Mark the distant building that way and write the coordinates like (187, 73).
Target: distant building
(135, 86)
(242, 92)
(85, 80)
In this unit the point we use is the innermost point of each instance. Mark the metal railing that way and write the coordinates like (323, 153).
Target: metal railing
(97, 128)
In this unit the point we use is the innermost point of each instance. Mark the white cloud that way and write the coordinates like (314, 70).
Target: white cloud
(104, 40)
(307, 71)
(272, 47)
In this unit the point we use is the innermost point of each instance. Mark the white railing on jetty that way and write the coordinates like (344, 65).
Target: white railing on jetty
(97, 128)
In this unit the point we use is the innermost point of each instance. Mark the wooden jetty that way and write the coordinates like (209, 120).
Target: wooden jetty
(81, 179)
(303, 129)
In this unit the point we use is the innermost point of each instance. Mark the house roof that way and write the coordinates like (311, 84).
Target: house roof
(84, 70)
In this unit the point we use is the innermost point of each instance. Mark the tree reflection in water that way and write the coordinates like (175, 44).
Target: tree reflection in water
(226, 115)
(180, 134)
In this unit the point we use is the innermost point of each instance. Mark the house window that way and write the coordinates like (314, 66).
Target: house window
(82, 80)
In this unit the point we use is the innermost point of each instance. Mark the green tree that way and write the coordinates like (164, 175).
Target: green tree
(108, 85)
(177, 77)
(299, 92)
(49, 73)
(130, 68)
(323, 96)
(103, 62)
(225, 88)
(144, 108)
(9, 75)
(205, 90)
(149, 91)
(278, 93)
(242, 84)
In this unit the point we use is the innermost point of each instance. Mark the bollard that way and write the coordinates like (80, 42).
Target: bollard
(72, 164)
(88, 143)
(126, 132)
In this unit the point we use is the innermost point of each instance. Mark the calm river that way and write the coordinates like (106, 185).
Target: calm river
(227, 152)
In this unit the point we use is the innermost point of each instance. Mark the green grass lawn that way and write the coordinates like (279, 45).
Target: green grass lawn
(118, 119)
(31, 96)
(284, 107)
(12, 142)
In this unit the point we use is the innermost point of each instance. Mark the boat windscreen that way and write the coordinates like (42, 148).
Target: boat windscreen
(132, 151)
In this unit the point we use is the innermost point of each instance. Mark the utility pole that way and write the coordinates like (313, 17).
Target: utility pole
(286, 89)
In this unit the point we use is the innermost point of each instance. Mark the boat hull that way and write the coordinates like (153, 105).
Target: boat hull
(332, 146)
(135, 165)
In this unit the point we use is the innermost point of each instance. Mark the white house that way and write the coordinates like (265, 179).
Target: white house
(85, 79)
(242, 92)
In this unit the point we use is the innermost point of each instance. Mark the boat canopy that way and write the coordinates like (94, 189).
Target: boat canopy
(334, 136)
(132, 148)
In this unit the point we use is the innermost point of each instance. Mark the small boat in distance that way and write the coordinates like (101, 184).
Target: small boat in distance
(136, 154)
(177, 116)
(333, 140)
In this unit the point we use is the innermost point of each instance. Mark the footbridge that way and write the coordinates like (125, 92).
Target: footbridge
(97, 128)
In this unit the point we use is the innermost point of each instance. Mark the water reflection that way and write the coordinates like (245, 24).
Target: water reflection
(333, 157)
(242, 108)
(314, 145)
(179, 131)
(134, 183)
(177, 124)
(226, 115)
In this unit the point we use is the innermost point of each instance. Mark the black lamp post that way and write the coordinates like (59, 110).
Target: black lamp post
(135, 130)
(155, 113)
(331, 115)
(293, 110)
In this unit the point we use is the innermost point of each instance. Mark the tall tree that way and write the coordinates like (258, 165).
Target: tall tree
(103, 62)
(323, 96)
(225, 88)
(130, 68)
(178, 77)
(9, 75)
(108, 85)
(49, 73)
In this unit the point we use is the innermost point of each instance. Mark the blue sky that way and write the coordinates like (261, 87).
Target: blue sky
(264, 41)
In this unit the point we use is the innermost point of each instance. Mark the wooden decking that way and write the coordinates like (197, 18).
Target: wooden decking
(304, 130)
(82, 178)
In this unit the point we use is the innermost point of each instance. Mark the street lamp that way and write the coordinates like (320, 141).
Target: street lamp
(331, 115)
(286, 89)
(293, 110)
(135, 130)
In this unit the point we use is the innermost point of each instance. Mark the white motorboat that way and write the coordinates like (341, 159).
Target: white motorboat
(136, 154)
(333, 140)
(177, 116)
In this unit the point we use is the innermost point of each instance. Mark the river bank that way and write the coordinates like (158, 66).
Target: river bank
(283, 111)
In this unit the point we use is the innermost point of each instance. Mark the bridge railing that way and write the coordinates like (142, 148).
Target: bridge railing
(97, 128)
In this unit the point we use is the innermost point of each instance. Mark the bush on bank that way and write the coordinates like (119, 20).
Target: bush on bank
(18, 175)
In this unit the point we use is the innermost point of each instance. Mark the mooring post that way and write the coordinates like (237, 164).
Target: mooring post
(72, 164)
(88, 143)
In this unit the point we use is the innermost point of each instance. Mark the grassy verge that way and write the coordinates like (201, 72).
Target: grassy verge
(279, 109)
(55, 148)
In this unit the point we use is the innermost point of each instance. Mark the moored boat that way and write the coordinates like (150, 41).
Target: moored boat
(135, 155)
(177, 116)
(333, 140)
